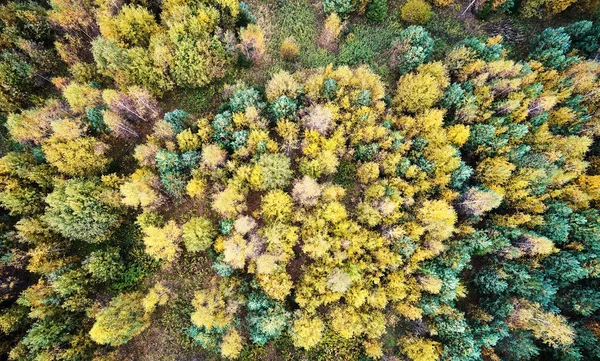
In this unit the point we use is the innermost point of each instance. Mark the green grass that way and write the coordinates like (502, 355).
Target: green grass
(368, 44)
(298, 19)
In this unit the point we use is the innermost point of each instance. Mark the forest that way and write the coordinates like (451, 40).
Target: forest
(299, 180)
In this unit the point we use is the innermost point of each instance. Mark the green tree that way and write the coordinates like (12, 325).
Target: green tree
(413, 48)
(84, 210)
(377, 11)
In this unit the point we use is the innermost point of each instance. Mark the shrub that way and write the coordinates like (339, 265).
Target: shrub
(416, 12)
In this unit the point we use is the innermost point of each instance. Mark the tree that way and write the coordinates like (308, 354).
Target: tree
(476, 201)
(416, 12)
(210, 310)
(552, 329)
(271, 171)
(419, 91)
(163, 243)
(229, 202)
(267, 319)
(342, 8)
(198, 63)
(120, 321)
(331, 31)
(232, 344)
(551, 48)
(84, 210)
(438, 218)
(34, 125)
(282, 84)
(76, 19)
(318, 118)
(420, 349)
(413, 48)
(213, 156)
(198, 234)
(252, 43)
(307, 332)
(131, 27)
(276, 206)
(105, 265)
(306, 191)
(140, 191)
(126, 316)
(77, 157)
(377, 11)
(585, 37)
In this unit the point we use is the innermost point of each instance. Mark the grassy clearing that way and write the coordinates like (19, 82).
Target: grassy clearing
(298, 18)
(369, 44)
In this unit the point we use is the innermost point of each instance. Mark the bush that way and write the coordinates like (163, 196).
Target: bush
(377, 11)
(416, 12)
